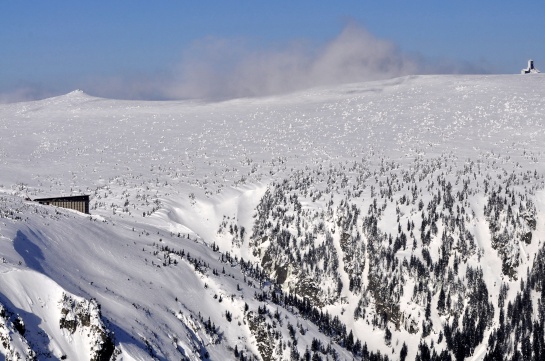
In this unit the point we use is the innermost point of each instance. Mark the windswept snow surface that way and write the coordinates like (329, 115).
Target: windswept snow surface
(178, 186)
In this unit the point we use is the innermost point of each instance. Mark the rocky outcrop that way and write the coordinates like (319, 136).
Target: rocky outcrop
(84, 316)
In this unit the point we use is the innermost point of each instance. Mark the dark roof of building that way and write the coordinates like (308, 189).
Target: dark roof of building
(82, 198)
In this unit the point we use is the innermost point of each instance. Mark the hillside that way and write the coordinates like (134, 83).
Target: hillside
(398, 219)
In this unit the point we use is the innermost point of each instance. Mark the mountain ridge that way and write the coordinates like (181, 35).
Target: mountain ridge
(370, 220)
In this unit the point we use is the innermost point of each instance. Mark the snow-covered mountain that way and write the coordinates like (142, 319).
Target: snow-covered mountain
(399, 220)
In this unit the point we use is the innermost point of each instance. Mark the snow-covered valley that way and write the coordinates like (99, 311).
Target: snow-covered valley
(398, 219)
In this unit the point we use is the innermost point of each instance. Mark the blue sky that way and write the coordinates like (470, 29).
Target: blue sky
(164, 49)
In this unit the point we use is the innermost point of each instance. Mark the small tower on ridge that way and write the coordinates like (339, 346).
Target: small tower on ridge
(530, 68)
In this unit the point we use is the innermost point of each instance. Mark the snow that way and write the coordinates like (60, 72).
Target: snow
(158, 169)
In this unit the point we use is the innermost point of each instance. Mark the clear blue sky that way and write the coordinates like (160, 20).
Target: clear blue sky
(52, 47)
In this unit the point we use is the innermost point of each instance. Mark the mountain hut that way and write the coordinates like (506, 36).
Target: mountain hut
(77, 203)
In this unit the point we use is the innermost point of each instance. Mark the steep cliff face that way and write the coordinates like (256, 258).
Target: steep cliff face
(42, 321)
(408, 246)
(84, 317)
(13, 344)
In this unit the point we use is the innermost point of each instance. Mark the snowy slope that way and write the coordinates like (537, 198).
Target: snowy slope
(313, 188)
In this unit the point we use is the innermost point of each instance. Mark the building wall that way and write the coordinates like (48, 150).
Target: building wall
(80, 206)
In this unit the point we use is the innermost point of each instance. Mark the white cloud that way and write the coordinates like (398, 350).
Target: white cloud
(216, 68)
